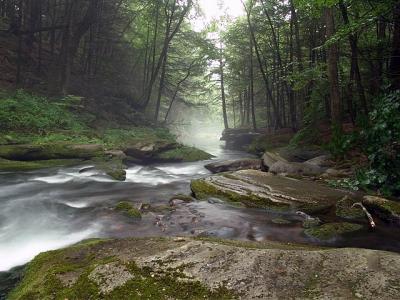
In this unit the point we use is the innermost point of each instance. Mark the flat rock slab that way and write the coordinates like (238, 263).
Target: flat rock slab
(264, 190)
(234, 165)
(185, 268)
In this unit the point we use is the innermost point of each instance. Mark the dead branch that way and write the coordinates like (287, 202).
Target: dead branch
(367, 214)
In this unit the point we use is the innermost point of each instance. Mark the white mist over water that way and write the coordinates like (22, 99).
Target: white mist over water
(23, 246)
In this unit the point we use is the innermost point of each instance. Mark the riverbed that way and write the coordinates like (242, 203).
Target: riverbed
(53, 208)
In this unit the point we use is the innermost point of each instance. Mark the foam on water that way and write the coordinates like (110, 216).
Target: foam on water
(20, 249)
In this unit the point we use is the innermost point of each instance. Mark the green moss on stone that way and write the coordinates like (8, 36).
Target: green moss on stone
(184, 154)
(183, 197)
(345, 210)
(332, 230)
(203, 189)
(13, 165)
(127, 208)
(281, 221)
(66, 274)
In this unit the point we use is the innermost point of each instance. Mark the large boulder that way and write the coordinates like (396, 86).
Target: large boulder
(184, 268)
(269, 158)
(50, 151)
(239, 138)
(387, 210)
(148, 149)
(258, 189)
(301, 154)
(234, 165)
(296, 169)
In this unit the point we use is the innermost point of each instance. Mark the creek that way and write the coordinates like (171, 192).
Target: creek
(53, 208)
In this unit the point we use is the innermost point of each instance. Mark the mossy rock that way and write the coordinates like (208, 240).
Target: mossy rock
(258, 189)
(204, 189)
(387, 210)
(128, 209)
(281, 221)
(13, 165)
(113, 167)
(119, 175)
(345, 210)
(311, 222)
(183, 154)
(331, 231)
(182, 197)
(50, 151)
(86, 271)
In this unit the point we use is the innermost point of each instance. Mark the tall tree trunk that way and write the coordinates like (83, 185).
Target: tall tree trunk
(332, 61)
(253, 109)
(394, 68)
(354, 59)
(221, 70)
(161, 87)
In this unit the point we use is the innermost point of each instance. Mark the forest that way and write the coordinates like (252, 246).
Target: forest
(199, 149)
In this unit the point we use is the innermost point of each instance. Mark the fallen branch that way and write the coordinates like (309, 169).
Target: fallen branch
(367, 214)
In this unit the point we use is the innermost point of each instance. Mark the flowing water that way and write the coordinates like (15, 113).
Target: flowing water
(52, 208)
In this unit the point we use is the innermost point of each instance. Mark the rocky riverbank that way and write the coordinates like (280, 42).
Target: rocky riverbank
(184, 268)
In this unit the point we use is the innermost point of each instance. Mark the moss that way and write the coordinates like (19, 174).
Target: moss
(50, 151)
(345, 210)
(183, 154)
(45, 278)
(182, 197)
(204, 189)
(119, 175)
(168, 284)
(281, 221)
(332, 230)
(311, 222)
(13, 165)
(127, 208)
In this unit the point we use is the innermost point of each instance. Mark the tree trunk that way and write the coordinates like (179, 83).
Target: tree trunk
(332, 61)
(394, 68)
(221, 68)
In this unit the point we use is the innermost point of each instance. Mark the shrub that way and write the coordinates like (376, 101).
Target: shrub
(31, 113)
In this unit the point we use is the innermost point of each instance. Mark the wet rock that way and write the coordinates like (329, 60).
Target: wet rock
(50, 151)
(281, 221)
(182, 198)
(234, 165)
(387, 210)
(301, 154)
(14, 165)
(345, 209)
(116, 154)
(296, 169)
(335, 173)
(211, 270)
(264, 190)
(128, 209)
(223, 232)
(270, 158)
(145, 149)
(331, 231)
(182, 154)
(323, 161)
(239, 138)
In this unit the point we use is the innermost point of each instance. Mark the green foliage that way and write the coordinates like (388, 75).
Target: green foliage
(381, 143)
(340, 143)
(118, 136)
(379, 140)
(31, 113)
